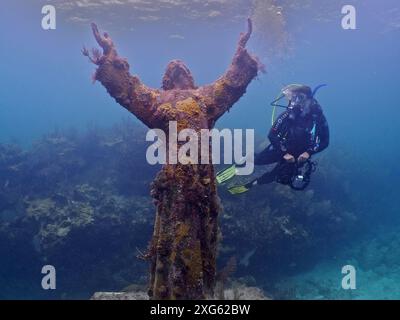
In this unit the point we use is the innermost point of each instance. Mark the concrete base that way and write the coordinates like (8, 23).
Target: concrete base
(237, 293)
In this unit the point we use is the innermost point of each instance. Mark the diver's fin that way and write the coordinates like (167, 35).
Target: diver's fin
(226, 174)
(238, 189)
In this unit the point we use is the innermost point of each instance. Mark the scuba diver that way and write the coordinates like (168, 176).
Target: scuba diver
(296, 135)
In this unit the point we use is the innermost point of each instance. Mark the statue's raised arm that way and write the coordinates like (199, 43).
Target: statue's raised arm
(227, 90)
(113, 73)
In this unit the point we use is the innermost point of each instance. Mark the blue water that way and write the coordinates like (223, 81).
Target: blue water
(45, 84)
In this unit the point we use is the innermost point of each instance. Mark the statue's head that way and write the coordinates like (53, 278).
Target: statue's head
(178, 76)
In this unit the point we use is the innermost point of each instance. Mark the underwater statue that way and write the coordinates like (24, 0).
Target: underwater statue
(183, 250)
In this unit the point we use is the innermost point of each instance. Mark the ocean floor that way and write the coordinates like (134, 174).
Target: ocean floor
(377, 263)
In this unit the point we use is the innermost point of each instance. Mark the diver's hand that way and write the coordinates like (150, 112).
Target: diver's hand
(289, 158)
(304, 157)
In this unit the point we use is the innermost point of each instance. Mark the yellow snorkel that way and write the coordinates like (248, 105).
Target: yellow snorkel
(273, 103)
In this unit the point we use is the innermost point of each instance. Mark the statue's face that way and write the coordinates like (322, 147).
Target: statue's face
(178, 76)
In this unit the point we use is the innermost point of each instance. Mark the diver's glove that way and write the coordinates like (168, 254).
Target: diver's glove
(289, 158)
(304, 157)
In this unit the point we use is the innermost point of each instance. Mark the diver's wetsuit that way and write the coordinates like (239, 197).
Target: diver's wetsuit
(293, 135)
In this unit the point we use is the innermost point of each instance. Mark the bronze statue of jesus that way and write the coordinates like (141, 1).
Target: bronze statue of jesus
(182, 252)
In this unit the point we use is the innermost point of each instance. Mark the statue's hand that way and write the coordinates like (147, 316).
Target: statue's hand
(104, 41)
(244, 37)
(96, 33)
(96, 55)
(85, 52)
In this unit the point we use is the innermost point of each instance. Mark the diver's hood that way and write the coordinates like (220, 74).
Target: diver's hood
(300, 97)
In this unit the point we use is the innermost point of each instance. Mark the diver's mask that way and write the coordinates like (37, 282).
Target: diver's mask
(296, 100)
(298, 104)
(299, 97)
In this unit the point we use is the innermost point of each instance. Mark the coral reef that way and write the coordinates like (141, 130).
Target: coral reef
(376, 261)
(92, 215)
(96, 214)
(242, 292)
